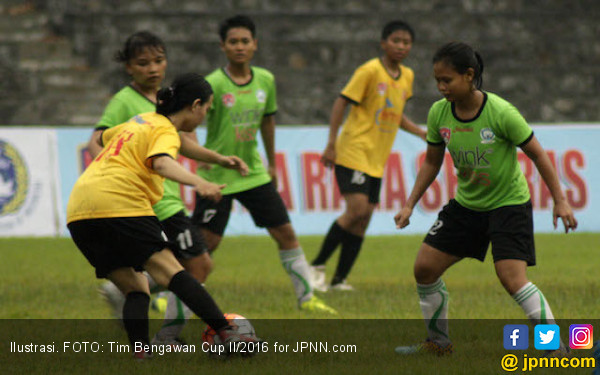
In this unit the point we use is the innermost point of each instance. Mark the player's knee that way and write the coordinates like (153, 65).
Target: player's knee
(425, 273)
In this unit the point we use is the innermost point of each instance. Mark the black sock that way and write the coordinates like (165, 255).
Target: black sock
(197, 299)
(331, 242)
(350, 248)
(135, 318)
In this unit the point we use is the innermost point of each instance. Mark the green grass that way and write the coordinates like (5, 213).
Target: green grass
(50, 279)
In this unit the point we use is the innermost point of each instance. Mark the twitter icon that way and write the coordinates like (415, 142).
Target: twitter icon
(546, 336)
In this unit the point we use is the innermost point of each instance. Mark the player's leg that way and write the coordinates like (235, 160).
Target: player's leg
(513, 247)
(457, 233)
(191, 251)
(268, 211)
(134, 286)
(354, 223)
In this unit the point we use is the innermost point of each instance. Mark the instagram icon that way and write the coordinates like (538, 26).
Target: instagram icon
(581, 336)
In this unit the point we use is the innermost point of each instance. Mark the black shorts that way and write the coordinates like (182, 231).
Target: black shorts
(112, 243)
(463, 232)
(351, 181)
(187, 240)
(263, 202)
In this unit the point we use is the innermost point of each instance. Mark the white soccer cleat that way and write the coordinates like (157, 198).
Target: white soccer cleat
(317, 275)
(114, 297)
(343, 286)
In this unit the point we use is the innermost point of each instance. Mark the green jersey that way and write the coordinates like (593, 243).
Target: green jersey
(233, 123)
(483, 151)
(123, 106)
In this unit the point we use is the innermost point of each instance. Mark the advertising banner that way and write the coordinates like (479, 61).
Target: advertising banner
(29, 183)
(311, 196)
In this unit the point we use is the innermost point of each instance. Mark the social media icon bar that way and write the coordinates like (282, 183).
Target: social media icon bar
(581, 336)
(546, 336)
(516, 337)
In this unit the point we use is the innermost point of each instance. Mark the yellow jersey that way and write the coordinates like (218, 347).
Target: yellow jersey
(368, 133)
(120, 182)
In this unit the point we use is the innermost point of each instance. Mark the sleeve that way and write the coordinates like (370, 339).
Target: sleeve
(433, 133)
(356, 88)
(271, 105)
(514, 127)
(410, 78)
(114, 114)
(164, 140)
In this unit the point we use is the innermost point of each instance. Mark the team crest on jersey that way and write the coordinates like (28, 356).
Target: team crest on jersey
(14, 180)
(445, 133)
(381, 88)
(228, 100)
(261, 96)
(487, 136)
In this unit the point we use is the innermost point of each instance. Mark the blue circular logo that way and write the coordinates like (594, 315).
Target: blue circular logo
(14, 181)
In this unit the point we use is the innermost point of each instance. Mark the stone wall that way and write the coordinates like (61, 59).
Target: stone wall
(544, 56)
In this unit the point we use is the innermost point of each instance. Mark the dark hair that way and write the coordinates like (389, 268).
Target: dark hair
(184, 90)
(236, 21)
(396, 25)
(462, 57)
(136, 43)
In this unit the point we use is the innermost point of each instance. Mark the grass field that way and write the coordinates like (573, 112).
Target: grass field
(50, 279)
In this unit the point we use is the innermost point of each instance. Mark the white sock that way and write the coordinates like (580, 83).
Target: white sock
(433, 299)
(176, 317)
(533, 302)
(294, 263)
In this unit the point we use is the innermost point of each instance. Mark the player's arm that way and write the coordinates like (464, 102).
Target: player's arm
(335, 121)
(427, 173)
(167, 167)
(533, 149)
(267, 132)
(95, 143)
(191, 149)
(407, 125)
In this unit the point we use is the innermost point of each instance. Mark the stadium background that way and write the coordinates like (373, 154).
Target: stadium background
(56, 62)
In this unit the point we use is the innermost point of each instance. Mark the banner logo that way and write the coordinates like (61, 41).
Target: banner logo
(14, 180)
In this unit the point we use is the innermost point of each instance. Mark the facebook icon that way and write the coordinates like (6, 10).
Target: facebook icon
(516, 336)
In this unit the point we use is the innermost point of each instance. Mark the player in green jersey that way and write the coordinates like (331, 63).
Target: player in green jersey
(245, 103)
(145, 59)
(482, 132)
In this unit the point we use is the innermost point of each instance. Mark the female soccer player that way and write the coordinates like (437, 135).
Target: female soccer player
(110, 213)
(482, 132)
(145, 58)
(246, 103)
(378, 91)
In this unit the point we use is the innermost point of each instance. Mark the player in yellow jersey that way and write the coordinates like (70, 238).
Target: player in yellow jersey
(377, 92)
(110, 213)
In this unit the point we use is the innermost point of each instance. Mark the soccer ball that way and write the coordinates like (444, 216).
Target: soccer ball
(240, 324)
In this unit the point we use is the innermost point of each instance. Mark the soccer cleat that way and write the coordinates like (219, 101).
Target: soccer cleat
(142, 355)
(315, 304)
(561, 352)
(176, 342)
(317, 275)
(114, 297)
(343, 286)
(230, 335)
(428, 346)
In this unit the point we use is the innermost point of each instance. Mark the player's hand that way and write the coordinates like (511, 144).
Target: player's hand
(402, 218)
(209, 190)
(563, 210)
(233, 162)
(328, 156)
(273, 173)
